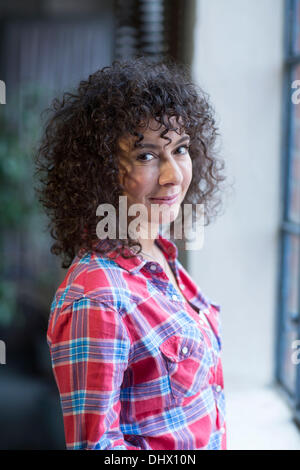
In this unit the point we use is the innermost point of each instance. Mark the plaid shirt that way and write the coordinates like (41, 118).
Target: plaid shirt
(136, 365)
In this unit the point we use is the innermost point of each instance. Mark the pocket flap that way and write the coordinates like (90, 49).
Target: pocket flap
(177, 348)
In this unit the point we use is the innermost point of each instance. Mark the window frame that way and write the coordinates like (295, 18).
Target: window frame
(287, 227)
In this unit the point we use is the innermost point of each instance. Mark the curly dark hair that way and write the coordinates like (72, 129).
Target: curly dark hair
(76, 158)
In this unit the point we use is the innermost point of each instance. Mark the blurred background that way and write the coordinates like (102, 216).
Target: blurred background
(246, 55)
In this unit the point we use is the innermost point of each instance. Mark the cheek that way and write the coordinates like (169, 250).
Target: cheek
(138, 182)
(131, 185)
(187, 173)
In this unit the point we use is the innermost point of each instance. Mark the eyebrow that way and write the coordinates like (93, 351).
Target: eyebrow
(153, 146)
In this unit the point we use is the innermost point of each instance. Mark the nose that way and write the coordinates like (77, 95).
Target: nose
(170, 172)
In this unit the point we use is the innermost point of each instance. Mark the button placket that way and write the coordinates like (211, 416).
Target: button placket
(203, 321)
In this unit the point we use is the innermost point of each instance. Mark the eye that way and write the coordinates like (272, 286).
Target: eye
(141, 156)
(185, 147)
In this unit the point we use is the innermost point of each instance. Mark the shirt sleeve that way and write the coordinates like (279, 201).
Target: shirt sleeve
(89, 348)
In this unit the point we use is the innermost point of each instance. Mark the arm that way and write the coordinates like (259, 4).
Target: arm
(89, 349)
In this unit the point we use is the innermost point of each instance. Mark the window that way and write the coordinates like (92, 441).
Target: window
(288, 324)
(155, 28)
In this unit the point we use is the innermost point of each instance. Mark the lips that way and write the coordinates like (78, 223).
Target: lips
(165, 199)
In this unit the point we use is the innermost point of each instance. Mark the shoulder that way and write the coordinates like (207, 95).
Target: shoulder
(102, 282)
(93, 285)
(91, 276)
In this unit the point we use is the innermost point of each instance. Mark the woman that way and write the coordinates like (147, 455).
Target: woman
(135, 345)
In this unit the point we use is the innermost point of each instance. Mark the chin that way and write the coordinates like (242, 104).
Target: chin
(167, 216)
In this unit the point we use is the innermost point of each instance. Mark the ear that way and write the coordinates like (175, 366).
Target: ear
(124, 169)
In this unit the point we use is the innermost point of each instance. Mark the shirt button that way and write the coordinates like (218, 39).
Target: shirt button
(222, 430)
(182, 286)
(153, 267)
(184, 350)
(218, 388)
(174, 297)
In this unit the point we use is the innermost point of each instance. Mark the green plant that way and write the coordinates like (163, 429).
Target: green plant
(20, 127)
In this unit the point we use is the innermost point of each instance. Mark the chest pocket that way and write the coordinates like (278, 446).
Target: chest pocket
(188, 361)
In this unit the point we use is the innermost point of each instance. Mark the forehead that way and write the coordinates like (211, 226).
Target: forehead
(152, 133)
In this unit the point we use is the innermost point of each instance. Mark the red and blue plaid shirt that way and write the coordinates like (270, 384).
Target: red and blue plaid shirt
(136, 365)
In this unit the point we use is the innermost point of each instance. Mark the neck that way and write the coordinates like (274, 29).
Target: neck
(148, 244)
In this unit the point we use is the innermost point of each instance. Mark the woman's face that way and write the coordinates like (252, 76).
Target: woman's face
(156, 169)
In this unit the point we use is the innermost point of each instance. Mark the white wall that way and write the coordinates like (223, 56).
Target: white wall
(238, 60)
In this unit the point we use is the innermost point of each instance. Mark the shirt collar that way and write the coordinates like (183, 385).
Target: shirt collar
(134, 265)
